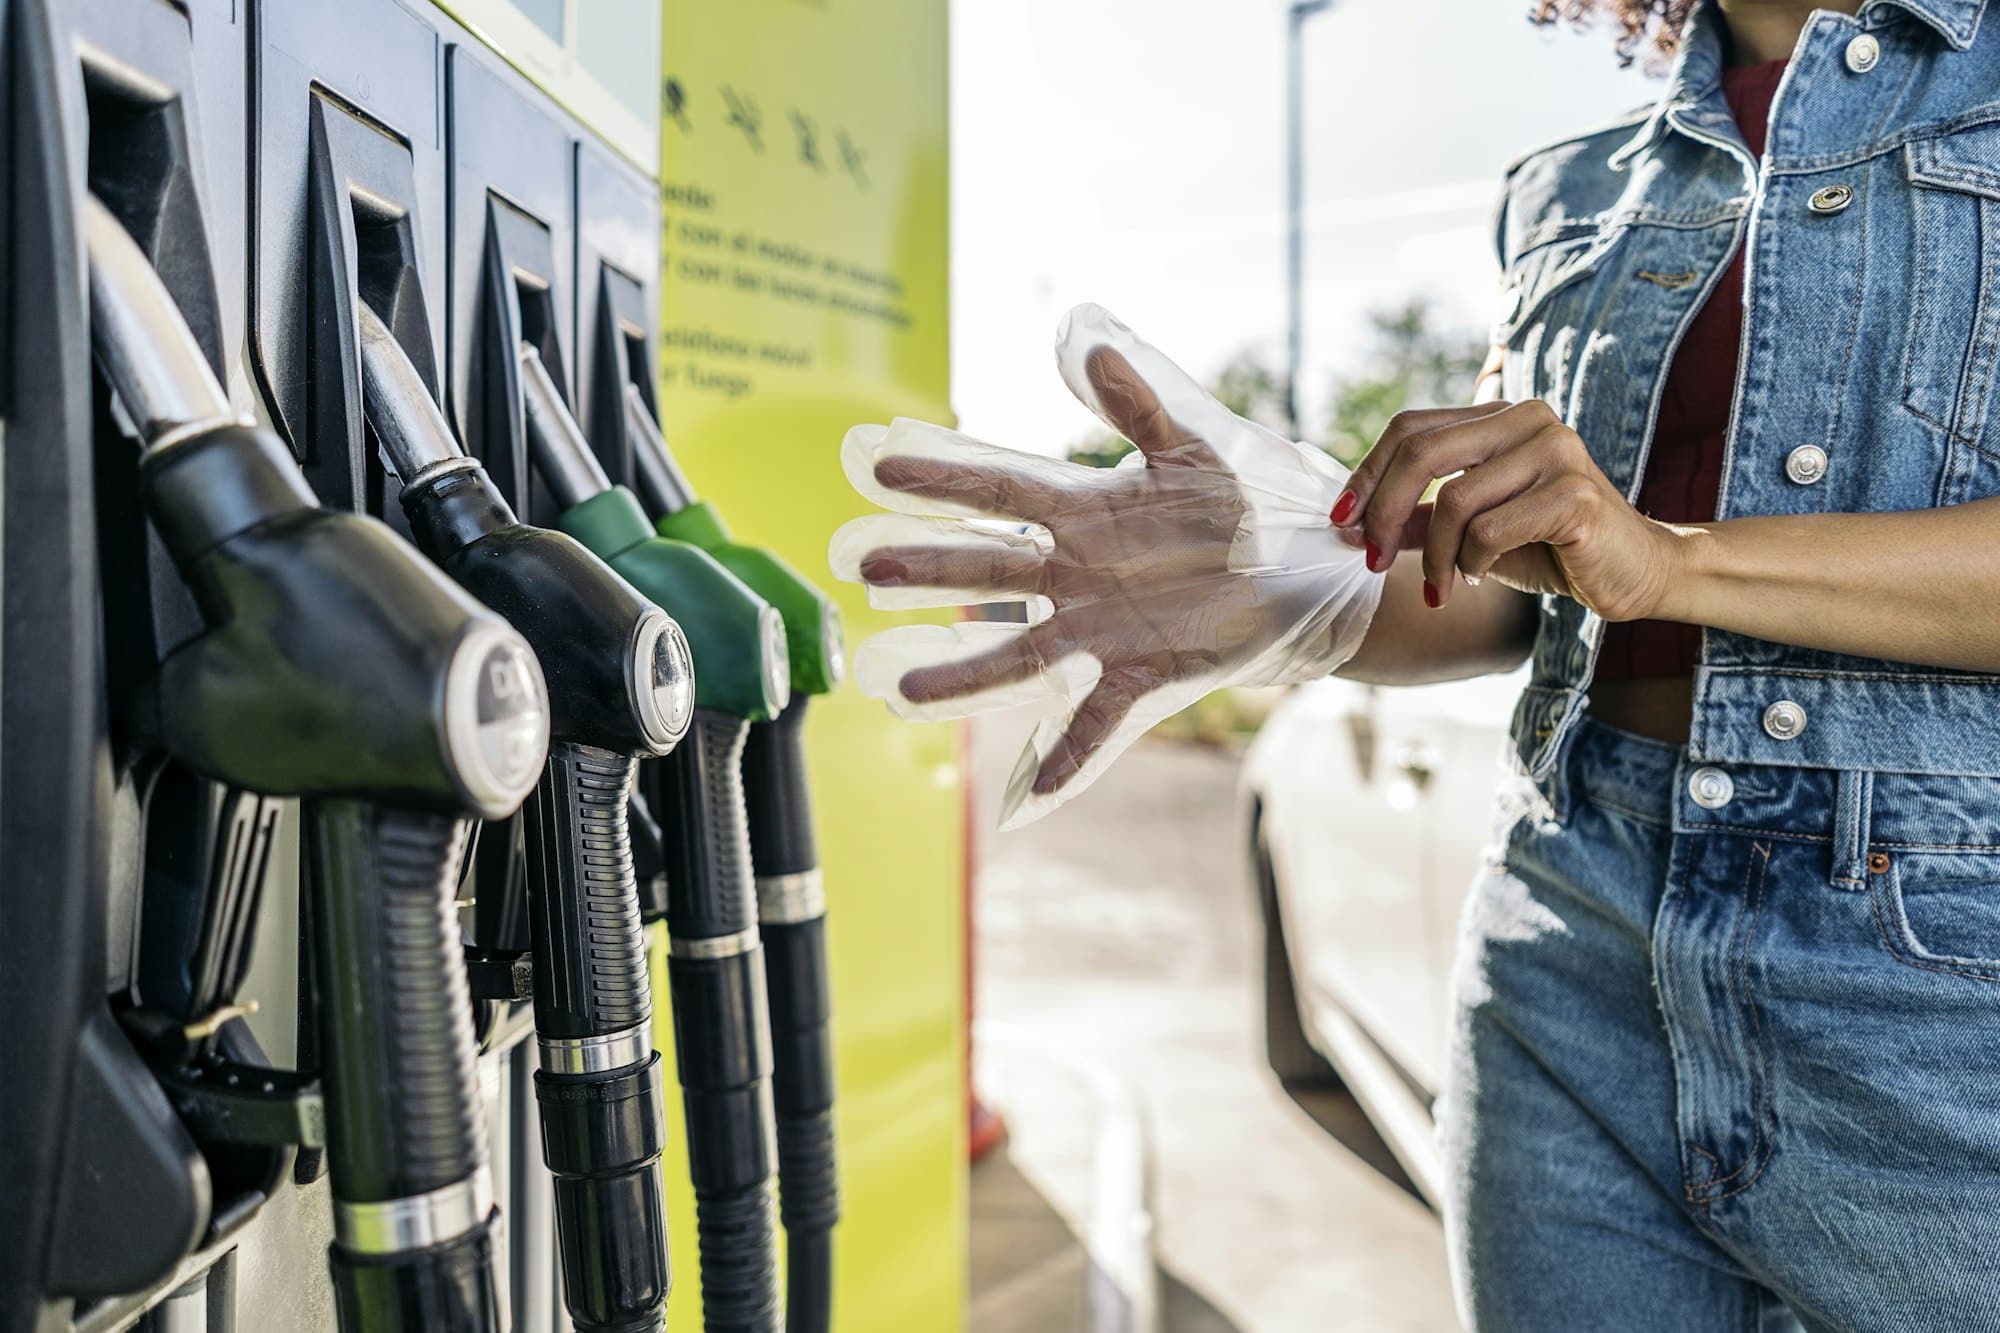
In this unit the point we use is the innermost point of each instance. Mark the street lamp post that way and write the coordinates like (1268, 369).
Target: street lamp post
(1295, 19)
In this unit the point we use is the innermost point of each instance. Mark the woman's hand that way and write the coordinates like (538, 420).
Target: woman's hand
(1206, 560)
(1524, 502)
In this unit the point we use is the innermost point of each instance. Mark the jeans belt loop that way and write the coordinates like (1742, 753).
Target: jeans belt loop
(1854, 793)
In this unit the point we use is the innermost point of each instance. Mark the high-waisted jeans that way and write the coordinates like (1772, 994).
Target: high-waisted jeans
(1730, 1062)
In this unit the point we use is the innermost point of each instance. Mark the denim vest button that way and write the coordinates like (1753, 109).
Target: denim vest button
(1784, 720)
(1863, 53)
(1710, 788)
(1832, 199)
(1806, 464)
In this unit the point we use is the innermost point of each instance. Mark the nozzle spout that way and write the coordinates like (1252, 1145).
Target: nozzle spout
(152, 360)
(554, 439)
(662, 484)
(407, 420)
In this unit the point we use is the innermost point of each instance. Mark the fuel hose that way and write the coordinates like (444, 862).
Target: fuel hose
(715, 965)
(621, 685)
(791, 897)
(337, 667)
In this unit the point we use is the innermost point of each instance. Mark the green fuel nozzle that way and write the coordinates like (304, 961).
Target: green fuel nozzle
(812, 621)
(742, 655)
(791, 897)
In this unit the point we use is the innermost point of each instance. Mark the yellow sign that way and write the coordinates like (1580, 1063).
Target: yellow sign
(803, 166)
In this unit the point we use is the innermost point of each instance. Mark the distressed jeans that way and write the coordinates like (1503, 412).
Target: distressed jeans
(1730, 1062)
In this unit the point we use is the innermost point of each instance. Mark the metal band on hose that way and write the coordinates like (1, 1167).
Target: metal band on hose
(718, 946)
(787, 900)
(595, 1055)
(395, 1226)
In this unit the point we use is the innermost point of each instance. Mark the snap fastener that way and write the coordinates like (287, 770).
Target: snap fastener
(1784, 719)
(1832, 199)
(1806, 464)
(1711, 788)
(1863, 53)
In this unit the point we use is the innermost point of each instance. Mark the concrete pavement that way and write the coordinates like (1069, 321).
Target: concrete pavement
(1119, 935)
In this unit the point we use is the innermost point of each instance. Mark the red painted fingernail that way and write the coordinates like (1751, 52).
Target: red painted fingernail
(1432, 597)
(1343, 507)
(1374, 555)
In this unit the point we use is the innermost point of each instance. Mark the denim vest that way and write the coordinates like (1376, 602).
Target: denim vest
(1871, 334)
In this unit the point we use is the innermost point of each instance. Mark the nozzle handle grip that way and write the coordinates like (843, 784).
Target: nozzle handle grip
(589, 947)
(402, 1096)
(777, 796)
(711, 888)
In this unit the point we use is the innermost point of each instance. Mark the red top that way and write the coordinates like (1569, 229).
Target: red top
(1684, 469)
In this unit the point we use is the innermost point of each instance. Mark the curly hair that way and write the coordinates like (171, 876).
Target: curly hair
(1639, 23)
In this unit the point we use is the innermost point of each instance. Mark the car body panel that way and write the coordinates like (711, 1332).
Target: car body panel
(1374, 807)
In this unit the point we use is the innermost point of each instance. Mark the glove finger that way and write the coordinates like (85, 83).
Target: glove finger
(1184, 408)
(1095, 719)
(931, 673)
(1049, 752)
(906, 561)
(1132, 405)
(917, 468)
(1289, 484)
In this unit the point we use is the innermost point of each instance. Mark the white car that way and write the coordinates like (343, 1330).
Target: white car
(1368, 810)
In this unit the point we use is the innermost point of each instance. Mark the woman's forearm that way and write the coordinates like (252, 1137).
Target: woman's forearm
(1921, 586)
(1485, 629)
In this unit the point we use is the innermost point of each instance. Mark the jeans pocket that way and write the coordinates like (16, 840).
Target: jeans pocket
(1941, 911)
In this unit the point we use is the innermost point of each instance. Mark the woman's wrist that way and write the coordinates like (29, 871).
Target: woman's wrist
(1692, 562)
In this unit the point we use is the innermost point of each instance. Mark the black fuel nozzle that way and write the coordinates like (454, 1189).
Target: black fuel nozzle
(621, 685)
(715, 964)
(337, 666)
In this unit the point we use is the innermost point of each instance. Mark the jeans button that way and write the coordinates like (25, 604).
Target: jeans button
(1784, 720)
(1832, 199)
(1710, 788)
(1863, 53)
(1806, 464)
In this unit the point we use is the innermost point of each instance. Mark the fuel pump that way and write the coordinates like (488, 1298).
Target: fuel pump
(715, 965)
(791, 898)
(621, 685)
(337, 667)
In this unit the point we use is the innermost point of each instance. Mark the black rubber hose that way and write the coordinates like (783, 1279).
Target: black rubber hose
(602, 1120)
(792, 923)
(403, 1109)
(721, 1023)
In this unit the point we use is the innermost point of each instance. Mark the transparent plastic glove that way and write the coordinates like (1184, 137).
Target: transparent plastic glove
(1206, 559)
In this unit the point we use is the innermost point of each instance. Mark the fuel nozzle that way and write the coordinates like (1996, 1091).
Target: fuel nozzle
(715, 959)
(338, 667)
(622, 685)
(784, 850)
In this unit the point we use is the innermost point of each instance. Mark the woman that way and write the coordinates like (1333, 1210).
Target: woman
(1727, 1047)
(1728, 1008)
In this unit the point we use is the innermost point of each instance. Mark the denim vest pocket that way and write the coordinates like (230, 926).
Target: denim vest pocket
(1954, 327)
(1940, 911)
(1540, 284)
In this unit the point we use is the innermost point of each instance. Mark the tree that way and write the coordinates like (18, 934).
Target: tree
(1411, 362)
